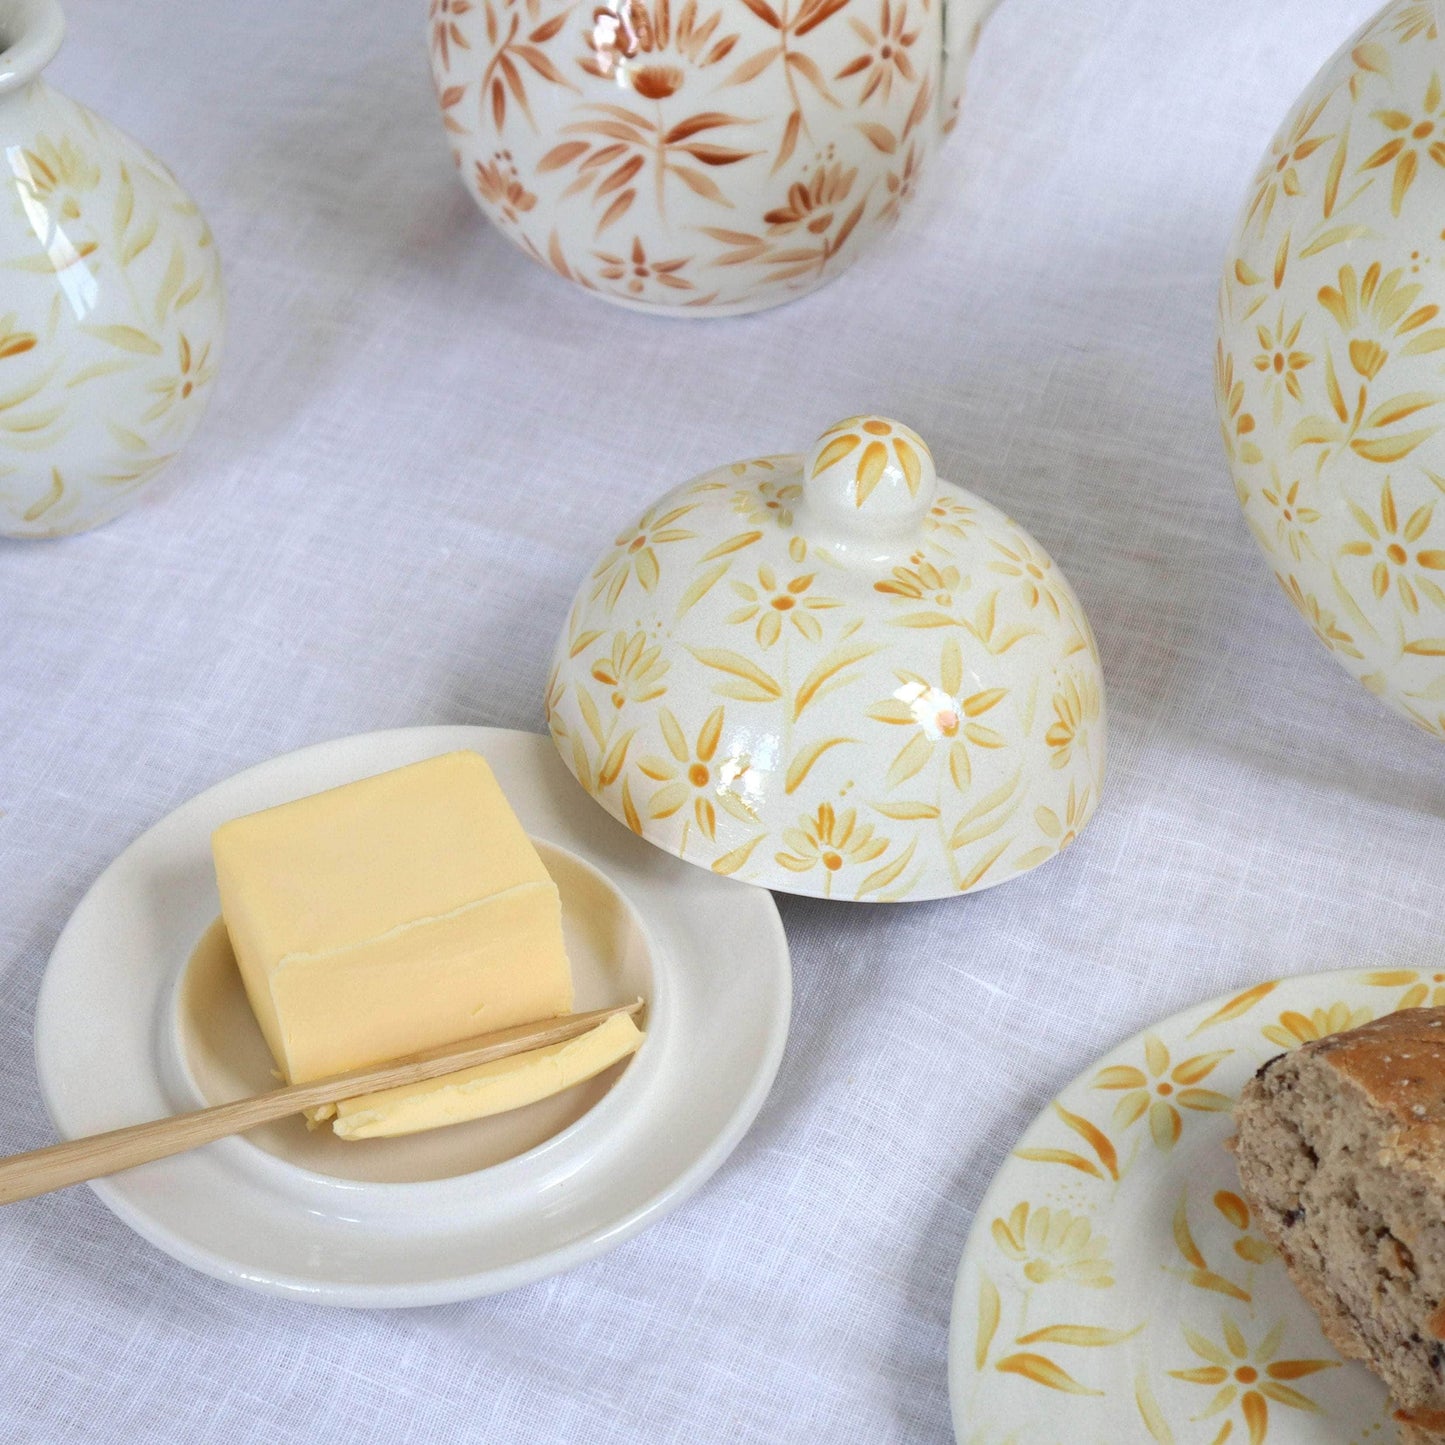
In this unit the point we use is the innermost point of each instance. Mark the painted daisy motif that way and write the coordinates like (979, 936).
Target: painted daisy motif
(688, 774)
(938, 714)
(1415, 137)
(635, 552)
(58, 174)
(1391, 544)
(774, 603)
(1279, 362)
(768, 502)
(1251, 1378)
(1161, 1089)
(884, 60)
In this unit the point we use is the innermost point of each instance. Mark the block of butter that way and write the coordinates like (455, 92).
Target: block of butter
(392, 914)
(489, 1088)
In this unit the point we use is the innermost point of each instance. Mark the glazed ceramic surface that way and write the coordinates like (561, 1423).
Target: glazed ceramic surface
(834, 675)
(111, 311)
(124, 1033)
(697, 156)
(1330, 366)
(1116, 1286)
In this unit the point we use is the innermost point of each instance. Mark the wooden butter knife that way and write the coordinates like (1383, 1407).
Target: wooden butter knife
(22, 1176)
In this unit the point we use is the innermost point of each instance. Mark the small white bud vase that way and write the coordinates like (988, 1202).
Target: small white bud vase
(837, 675)
(1330, 362)
(111, 309)
(698, 157)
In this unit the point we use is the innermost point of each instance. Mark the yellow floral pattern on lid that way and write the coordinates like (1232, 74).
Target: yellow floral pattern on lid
(1328, 367)
(834, 677)
(1116, 1286)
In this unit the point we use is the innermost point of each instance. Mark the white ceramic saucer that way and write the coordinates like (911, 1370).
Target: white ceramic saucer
(126, 1029)
(1115, 1286)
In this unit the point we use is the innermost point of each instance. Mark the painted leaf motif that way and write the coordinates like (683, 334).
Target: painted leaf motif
(128, 338)
(907, 812)
(1095, 1136)
(733, 544)
(1151, 1414)
(827, 676)
(1060, 1156)
(888, 873)
(730, 862)
(1238, 1006)
(747, 681)
(804, 759)
(1043, 1371)
(989, 1310)
(1086, 1336)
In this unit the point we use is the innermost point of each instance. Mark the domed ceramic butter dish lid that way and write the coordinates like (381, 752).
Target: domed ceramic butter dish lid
(834, 675)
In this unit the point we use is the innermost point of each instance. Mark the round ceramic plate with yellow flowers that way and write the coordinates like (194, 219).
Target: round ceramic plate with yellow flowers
(1115, 1286)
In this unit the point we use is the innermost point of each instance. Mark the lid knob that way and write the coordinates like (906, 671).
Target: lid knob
(870, 476)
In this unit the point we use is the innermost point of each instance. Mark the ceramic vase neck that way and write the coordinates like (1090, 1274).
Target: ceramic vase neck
(30, 35)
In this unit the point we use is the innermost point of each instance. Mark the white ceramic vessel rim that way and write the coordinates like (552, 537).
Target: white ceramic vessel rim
(445, 1208)
(30, 34)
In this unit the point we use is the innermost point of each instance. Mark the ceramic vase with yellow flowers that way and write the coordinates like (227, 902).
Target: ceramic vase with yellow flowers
(111, 310)
(1330, 363)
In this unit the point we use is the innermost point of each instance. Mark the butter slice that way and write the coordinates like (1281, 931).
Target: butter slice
(489, 1088)
(392, 914)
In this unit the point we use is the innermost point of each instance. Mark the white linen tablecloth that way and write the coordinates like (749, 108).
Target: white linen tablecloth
(420, 442)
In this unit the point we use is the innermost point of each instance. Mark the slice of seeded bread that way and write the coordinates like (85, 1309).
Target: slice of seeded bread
(1341, 1151)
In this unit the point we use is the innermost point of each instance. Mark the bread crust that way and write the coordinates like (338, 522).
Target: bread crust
(1341, 1145)
(1398, 1063)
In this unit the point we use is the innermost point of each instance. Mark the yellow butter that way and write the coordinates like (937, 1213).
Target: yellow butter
(488, 1088)
(392, 914)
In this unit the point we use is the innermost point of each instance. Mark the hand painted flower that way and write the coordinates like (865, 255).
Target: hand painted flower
(634, 671)
(688, 775)
(1251, 1377)
(831, 840)
(635, 553)
(1157, 1088)
(1053, 1244)
(885, 54)
(1413, 138)
(1295, 1028)
(499, 184)
(1076, 710)
(1391, 547)
(639, 45)
(774, 604)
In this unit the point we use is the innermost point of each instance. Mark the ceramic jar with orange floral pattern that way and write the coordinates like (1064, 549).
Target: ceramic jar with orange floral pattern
(1330, 364)
(835, 674)
(697, 157)
(111, 310)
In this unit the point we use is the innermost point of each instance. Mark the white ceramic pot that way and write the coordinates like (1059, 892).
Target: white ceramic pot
(698, 157)
(835, 675)
(1330, 364)
(111, 309)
